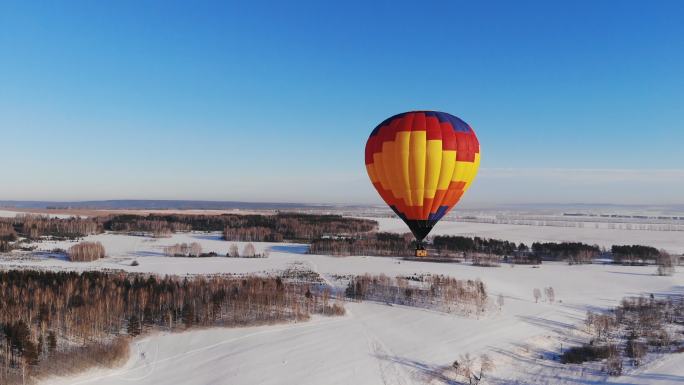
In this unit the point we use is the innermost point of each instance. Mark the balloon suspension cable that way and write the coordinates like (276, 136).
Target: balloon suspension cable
(420, 249)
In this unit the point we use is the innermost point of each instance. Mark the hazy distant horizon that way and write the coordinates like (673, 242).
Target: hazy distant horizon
(492, 186)
(162, 204)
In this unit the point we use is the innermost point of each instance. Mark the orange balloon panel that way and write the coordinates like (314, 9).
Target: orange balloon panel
(421, 163)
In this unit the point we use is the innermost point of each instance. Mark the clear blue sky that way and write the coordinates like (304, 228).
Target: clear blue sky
(575, 101)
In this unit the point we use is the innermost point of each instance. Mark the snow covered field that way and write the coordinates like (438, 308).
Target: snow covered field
(374, 343)
(122, 250)
(377, 343)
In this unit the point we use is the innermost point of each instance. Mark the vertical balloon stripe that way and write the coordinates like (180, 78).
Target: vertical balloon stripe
(403, 152)
(388, 158)
(417, 164)
(446, 171)
(419, 169)
(389, 165)
(433, 164)
(380, 171)
(473, 173)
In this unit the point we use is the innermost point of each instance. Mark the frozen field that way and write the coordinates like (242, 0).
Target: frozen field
(374, 343)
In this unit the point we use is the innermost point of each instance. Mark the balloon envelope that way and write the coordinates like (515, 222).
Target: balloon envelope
(421, 163)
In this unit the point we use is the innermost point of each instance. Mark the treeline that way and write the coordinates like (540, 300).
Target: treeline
(178, 222)
(435, 292)
(482, 251)
(572, 252)
(48, 316)
(274, 228)
(270, 228)
(486, 251)
(476, 244)
(36, 226)
(249, 228)
(293, 227)
(157, 227)
(635, 254)
(376, 244)
(252, 234)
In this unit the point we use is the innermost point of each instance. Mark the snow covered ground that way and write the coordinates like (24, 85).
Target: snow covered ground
(374, 343)
(380, 344)
(669, 370)
(122, 250)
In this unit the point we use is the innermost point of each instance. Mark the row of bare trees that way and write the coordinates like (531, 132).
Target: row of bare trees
(300, 227)
(248, 251)
(36, 226)
(436, 292)
(156, 227)
(376, 244)
(47, 315)
(270, 228)
(548, 292)
(7, 232)
(86, 252)
(251, 228)
(193, 249)
(252, 234)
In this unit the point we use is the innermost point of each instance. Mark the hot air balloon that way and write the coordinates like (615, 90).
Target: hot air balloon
(421, 163)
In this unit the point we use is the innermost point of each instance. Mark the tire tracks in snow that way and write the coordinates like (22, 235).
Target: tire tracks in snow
(391, 372)
(131, 368)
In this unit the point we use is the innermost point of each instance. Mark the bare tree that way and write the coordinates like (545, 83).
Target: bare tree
(249, 250)
(195, 249)
(666, 263)
(550, 294)
(464, 367)
(486, 365)
(613, 364)
(233, 251)
(603, 324)
(635, 349)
